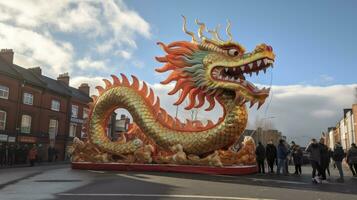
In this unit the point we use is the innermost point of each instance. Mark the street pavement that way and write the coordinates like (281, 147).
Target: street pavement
(60, 182)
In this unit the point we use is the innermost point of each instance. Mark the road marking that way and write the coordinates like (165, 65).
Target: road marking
(163, 195)
(100, 172)
(277, 181)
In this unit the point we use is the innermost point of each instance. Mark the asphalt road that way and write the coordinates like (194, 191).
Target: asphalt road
(60, 182)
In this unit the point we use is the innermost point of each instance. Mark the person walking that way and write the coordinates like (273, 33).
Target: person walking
(337, 155)
(352, 159)
(314, 151)
(32, 155)
(282, 155)
(11, 155)
(325, 158)
(297, 157)
(260, 155)
(2, 154)
(271, 152)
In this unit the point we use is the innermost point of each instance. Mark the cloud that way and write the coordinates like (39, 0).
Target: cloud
(62, 35)
(33, 47)
(87, 64)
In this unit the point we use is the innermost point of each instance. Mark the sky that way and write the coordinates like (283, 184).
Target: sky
(314, 41)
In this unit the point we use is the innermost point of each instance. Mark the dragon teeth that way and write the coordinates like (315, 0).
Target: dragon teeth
(250, 65)
(242, 68)
(226, 69)
(259, 62)
(266, 61)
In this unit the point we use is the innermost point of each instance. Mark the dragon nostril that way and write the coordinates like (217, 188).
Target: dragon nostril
(270, 48)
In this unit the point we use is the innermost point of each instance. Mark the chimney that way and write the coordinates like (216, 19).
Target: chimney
(7, 55)
(36, 70)
(84, 87)
(64, 78)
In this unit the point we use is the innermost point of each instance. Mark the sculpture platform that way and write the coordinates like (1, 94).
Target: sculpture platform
(227, 170)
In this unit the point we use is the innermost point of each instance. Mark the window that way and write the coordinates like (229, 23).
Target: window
(28, 98)
(72, 129)
(2, 119)
(53, 128)
(74, 111)
(4, 92)
(26, 124)
(85, 113)
(55, 105)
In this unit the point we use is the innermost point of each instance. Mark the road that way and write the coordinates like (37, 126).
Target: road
(59, 182)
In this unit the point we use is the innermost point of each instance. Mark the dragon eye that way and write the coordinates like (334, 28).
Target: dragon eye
(233, 52)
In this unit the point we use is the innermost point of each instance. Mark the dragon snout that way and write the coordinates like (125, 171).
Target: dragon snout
(263, 47)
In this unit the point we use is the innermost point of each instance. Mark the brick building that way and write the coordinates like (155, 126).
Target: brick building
(35, 109)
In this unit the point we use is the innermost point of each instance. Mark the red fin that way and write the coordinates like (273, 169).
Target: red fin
(184, 93)
(135, 83)
(192, 98)
(211, 101)
(116, 80)
(165, 68)
(100, 89)
(108, 84)
(125, 80)
(151, 97)
(156, 106)
(144, 89)
(201, 100)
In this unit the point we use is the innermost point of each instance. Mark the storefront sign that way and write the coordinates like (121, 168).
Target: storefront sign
(11, 139)
(78, 121)
(3, 137)
(27, 139)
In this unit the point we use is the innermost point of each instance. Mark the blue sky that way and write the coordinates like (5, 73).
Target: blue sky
(314, 41)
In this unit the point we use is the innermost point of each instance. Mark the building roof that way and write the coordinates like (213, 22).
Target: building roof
(6, 68)
(29, 77)
(42, 81)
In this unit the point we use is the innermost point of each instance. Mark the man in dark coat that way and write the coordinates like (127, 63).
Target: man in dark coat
(271, 155)
(352, 159)
(260, 153)
(325, 158)
(337, 156)
(282, 154)
(314, 150)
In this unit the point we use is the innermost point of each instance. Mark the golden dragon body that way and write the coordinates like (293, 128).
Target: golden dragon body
(209, 70)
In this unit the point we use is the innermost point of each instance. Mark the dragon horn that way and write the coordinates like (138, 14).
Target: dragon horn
(228, 31)
(201, 28)
(215, 34)
(188, 32)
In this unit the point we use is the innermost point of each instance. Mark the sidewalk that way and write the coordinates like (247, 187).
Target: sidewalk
(36, 164)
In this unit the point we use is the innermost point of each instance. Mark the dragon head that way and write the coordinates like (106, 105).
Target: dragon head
(209, 68)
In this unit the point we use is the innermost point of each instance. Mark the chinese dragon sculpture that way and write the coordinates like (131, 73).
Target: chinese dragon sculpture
(204, 69)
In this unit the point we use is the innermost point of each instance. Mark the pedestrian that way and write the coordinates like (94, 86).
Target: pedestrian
(337, 156)
(325, 158)
(288, 157)
(260, 156)
(282, 155)
(297, 157)
(2, 154)
(11, 155)
(352, 159)
(271, 155)
(32, 155)
(314, 151)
